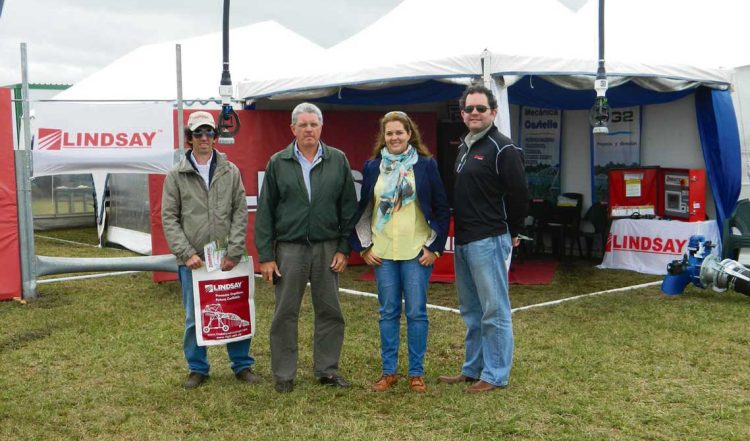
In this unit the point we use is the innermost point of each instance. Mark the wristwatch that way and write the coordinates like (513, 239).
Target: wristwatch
(437, 253)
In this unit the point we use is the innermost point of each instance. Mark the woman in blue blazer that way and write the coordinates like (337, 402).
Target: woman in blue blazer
(402, 228)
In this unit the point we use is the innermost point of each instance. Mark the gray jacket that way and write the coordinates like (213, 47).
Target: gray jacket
(192, 215)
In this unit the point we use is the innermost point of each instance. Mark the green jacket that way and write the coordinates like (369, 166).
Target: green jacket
(286, 214)
(193, 215)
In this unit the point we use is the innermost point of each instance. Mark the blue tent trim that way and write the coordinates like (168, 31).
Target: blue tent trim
(529, 91)
(720, 141)
(717, 123)
(536, 92)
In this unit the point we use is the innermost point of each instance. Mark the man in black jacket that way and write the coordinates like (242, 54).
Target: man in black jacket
(490, 203)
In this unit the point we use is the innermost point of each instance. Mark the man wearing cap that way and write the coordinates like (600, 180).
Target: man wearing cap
(305, 216)
(204, 200)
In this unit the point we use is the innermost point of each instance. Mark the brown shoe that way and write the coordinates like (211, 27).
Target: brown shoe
(194, 380)
(481, 386)
(248, 376)
(385, 382)
(455, 379)
(416, 384)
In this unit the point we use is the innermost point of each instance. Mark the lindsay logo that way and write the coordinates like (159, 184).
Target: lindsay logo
(56, 139)
(479, 157)
(645, 244)
(223, 287)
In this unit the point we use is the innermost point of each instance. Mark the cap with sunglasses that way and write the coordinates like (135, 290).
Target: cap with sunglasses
(480, 108)
(200, 118)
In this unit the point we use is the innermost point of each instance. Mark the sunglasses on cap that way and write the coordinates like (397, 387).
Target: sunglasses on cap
(480, 109)
(200, 133)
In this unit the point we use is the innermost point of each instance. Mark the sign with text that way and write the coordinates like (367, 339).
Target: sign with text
(224, 304)
(620, 148)
(540, 139)
(72, 138)
(649, 245)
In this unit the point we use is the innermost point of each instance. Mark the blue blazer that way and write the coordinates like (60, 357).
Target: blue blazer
(430, 194)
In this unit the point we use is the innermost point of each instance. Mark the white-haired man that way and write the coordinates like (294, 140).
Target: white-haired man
(305, 215)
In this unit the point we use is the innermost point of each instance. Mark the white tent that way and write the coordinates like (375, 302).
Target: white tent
(664, 47)
(150, 73)
(441, 39)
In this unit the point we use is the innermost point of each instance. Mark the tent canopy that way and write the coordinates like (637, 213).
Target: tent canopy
(546, 54)
(150, 73)
(655, 43)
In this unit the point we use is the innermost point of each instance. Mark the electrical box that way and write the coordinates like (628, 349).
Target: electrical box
(682, 194)
(633, 192)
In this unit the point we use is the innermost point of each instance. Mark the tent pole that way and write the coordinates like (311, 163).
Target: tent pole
(486, 77)
(180, 116)
(23, 189)
(502, 120)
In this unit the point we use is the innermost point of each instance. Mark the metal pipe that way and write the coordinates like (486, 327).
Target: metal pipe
(225, 78)
(180, 110)
(601, 41)
(46, 265)
(23, 190)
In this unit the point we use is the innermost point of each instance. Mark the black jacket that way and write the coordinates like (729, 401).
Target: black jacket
(491, 193)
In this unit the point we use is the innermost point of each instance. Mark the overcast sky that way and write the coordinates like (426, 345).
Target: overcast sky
(70, 39)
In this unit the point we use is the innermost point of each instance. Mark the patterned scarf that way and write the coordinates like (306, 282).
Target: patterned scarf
(399, 187)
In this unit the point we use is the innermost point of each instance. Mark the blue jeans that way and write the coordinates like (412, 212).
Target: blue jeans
(407, 279)
(197, 359)
(482, 284)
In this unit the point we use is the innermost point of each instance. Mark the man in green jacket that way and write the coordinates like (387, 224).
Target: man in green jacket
(305, 215)
(204, 200)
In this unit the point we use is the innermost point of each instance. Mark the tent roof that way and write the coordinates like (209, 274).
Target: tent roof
(149, 72)
(440, 39)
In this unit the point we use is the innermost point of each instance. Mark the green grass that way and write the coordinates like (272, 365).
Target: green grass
(102, 359)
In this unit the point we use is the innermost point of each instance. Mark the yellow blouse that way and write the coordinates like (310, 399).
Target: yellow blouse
(404, 234)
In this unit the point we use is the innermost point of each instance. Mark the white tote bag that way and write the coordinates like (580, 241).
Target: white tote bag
(224, 304)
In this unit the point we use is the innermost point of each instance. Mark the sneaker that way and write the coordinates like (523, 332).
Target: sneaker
(194, 380)
(416, 384)
(248, 376)
(385, 382)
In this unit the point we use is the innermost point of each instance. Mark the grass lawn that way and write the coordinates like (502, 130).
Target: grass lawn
(102, 359)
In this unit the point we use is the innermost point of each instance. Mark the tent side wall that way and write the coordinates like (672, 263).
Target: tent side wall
(669, 137)
(741, 98)
(10, 276)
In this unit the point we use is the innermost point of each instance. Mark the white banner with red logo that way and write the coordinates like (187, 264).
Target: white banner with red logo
(649, 245)
(224, 304)
(72, 138)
